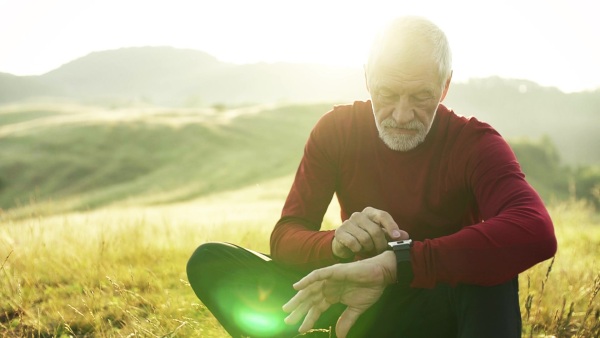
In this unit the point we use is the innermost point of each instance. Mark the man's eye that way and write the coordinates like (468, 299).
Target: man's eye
(386, 94)
(421, 98)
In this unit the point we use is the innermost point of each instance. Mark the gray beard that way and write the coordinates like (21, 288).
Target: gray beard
(399, 142)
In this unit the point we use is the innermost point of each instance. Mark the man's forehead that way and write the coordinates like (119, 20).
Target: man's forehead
(407, 60)
(418, 77)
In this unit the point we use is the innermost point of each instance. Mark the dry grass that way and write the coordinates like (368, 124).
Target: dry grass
(559, 297)
(120, 272)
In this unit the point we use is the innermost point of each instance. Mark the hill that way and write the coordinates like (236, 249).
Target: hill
(86, 157)
(155, 74)
(181, 77)
(16, 88)
(73, 157)
(524, 109)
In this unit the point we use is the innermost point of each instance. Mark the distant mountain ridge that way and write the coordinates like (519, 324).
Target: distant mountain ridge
(176, 77)
(157, 74)
(180, 77)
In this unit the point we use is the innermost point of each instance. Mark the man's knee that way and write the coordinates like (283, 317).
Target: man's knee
(204, 261)
(208, 251)
(205, 253)
(214, 262)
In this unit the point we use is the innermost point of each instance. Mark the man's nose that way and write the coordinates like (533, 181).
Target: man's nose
(403, 111)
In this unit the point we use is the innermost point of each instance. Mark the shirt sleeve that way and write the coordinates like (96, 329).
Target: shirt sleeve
(296, 240)
(515, 234)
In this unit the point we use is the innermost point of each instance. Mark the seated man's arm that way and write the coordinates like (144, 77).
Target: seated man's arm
(516, 233)
(296, 239)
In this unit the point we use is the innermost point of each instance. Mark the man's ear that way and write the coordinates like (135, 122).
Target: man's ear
(446, 87)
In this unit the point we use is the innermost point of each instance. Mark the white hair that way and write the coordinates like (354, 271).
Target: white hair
(412, 38)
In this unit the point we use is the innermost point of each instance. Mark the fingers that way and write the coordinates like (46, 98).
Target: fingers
(403, 235)
(305, 295)
(360, 234)
(366, 232)
(316, 276)
(313, 315)
(303, 301)
(346, 321)
(310, 290)
(309, 302)
(353, 284)
(298, 313)
(310, 310)
(339, 249)
(386, 222)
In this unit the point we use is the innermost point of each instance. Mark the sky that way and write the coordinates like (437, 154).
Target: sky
(552, 42)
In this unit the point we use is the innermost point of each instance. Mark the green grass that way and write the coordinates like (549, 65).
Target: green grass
(91, 157)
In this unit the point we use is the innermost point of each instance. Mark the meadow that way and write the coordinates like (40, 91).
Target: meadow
(97, 247)
(120, 272)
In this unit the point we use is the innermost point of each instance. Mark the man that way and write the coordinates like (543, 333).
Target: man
(402, 166)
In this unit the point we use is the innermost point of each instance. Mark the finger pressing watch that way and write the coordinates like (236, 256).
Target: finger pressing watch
(404, 273)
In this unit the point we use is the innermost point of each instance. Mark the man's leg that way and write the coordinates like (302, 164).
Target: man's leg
(488, 311)
(464, 311)
(408, 312)
(245, 290)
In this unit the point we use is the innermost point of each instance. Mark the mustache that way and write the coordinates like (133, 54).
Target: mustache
(391, 123)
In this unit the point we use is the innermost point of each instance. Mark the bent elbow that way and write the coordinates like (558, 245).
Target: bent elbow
(548, 244)
(551, 247)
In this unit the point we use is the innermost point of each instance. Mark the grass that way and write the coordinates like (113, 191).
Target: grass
(120, 272)
(560, 297)
(89, 157)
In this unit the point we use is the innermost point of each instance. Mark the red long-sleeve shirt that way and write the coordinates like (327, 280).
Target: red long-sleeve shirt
(460, 195)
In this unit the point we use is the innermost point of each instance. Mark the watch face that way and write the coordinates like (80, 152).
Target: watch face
(400, 244)
(401, 250)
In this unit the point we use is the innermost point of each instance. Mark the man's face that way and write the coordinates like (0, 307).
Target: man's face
(404, 103)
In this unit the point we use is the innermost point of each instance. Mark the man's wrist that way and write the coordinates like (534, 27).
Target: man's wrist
(342, 259)
(389, 263)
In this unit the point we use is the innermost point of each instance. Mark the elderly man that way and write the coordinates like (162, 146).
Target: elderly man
(438, 219)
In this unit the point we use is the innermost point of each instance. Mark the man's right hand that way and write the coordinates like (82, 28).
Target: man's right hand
(367, 233)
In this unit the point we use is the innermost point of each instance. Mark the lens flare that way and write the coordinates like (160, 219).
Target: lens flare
(254, 309)
(258, 323)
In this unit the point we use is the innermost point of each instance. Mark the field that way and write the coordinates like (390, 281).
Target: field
(105, 255)
(121, 272)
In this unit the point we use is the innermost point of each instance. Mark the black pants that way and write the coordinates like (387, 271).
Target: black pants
(245, 291)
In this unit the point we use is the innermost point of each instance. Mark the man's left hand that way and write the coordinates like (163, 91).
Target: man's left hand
(358, 285)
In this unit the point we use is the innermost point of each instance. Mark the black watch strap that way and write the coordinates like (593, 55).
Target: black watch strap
(402, 250)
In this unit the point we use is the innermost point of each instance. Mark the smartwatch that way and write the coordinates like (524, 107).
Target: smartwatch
(404, 273)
